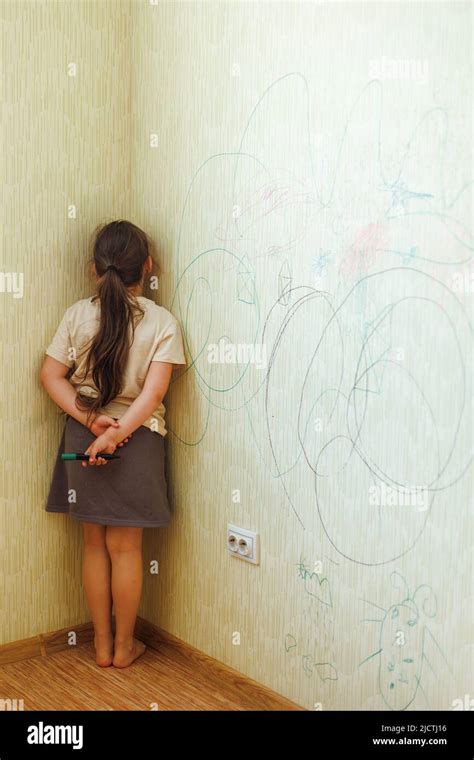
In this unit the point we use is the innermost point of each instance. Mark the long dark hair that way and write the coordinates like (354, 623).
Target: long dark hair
(120, 250)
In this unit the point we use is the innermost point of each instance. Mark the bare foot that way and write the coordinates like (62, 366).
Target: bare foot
(104, 649)
(125, 654)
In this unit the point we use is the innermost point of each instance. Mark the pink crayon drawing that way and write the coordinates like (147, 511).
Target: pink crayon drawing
(363, 252)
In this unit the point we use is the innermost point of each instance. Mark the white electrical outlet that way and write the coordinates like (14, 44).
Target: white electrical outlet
(243, 543)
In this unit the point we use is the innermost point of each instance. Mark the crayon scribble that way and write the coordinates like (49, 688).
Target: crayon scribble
(404, 639)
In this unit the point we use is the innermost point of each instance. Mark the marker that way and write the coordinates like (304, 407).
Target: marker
(86, 457)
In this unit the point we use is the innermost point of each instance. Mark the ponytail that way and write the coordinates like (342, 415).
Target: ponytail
(120, 252)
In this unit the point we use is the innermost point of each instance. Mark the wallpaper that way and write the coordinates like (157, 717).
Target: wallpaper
(304, 170)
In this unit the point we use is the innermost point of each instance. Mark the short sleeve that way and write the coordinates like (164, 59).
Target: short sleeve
(169, 346)
(60, 347)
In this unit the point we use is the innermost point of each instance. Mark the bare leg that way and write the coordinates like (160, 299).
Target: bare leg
(97, 585)
(125, 548)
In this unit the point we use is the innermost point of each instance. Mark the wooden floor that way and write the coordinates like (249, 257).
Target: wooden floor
(167, 677)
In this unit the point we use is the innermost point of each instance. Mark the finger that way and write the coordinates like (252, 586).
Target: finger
(89, 451)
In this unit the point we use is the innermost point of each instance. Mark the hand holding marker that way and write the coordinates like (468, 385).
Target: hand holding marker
(85, 457)
(98, 457)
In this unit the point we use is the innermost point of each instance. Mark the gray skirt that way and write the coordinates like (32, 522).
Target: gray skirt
(130, 491)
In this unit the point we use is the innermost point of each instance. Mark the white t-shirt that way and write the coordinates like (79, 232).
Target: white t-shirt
(157, 338)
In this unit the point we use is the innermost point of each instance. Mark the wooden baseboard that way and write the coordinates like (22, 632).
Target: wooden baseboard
(154, 637)
(45, 643)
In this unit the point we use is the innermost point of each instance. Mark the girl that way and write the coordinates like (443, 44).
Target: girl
(109, 367)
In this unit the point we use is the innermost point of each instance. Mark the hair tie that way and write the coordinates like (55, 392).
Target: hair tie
(112, 266)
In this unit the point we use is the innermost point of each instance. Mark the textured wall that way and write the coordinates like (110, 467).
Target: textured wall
(325, 219)
(280, 172)
(66, 160)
